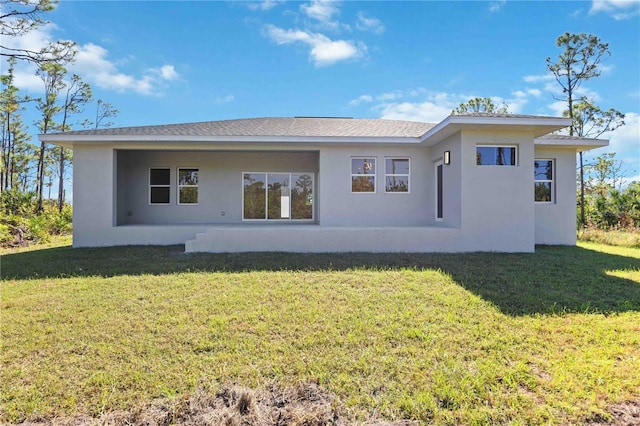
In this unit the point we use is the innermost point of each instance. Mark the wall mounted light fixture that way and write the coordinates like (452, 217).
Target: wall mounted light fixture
(447, 157)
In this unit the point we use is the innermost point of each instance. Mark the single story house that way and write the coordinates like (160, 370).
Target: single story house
(477, 182)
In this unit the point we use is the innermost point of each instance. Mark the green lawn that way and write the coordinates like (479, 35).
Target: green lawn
(551, 337)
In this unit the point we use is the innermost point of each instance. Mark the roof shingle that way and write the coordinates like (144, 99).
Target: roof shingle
(286, 127)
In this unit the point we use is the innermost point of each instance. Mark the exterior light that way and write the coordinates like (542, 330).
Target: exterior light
(447, 157)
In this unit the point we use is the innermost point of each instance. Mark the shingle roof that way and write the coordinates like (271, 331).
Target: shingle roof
(286, 127)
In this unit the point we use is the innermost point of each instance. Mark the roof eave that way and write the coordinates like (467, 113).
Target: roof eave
(580, 145)
(70, 141)
(539, 126)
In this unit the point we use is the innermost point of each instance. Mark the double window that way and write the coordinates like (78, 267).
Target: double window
(543, 180)
(160, 185)
(396, 174)
(277, 196)
(496, 155)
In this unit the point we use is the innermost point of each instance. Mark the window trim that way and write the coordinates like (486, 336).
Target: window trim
(408, 175)
(266, 201)
(552, 181)
(374, 175)
(149, 186)
(179, 186)
(439, 183)
(486, 145)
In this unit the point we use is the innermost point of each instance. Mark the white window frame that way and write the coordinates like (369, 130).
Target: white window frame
(480, 145)
(374, 175)
(179, 186)
(552, 181)
(149, 185)
(435, 192)
(266, 200)
(408, 175)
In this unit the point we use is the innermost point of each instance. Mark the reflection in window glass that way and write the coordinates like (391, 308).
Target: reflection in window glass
(187, 186)
(278, 196)
(363, 175)
(495, 155)
(302, 196)
(543, 180)
(396, 174)
(255, 197)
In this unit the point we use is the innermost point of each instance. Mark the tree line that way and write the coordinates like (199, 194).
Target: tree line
(28, 169)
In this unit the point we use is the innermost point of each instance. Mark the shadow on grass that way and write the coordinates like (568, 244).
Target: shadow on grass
(553, 280)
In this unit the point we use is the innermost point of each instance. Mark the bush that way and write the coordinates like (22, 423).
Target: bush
(20, 224)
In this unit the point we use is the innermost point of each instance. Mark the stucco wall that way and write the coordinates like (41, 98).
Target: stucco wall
(497, 201)
(451, 180)
(338, 206)
(219, 189)
(556, 221)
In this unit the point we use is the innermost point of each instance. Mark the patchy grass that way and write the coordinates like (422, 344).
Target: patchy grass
(615, 237)
(551, 337)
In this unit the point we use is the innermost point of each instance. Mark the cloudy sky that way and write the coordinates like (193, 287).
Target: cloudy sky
(164, 62)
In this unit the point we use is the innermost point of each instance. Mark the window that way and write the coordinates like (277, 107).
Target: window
(187, 186)
(543, 180)
(396, 175)
(496, 155)
(363, 175)
(277, 196)
(159, 185)
(439, 192)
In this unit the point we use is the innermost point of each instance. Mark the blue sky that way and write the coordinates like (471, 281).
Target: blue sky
(164, 62)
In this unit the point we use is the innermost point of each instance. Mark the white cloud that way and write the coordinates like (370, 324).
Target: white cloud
(224, 99)
(91, 64)
(423, 111)
(617, 9)
(626, 139)
(263, 5)
(369, 24)
(538, 78)
(168, 72)
(324, 51)
(321, 10)
(496, 6)
(361, 99)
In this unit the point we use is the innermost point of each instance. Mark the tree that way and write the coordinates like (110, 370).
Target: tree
(78, 94)
(482, 105)
(104, 111)
(17, 19)
(52, 75)
(13, 135)
(578, 62)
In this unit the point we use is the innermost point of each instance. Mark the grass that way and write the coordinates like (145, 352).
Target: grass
(616, 237)
(546, 338)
